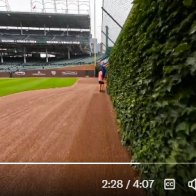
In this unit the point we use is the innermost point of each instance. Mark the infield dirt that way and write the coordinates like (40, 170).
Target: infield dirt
(75, 124)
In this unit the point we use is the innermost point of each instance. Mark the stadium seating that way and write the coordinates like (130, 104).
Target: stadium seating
(18, 66)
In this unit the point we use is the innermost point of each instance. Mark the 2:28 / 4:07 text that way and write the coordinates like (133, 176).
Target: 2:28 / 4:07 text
(120, 184)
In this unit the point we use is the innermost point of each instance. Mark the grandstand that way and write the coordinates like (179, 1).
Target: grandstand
(30, 39)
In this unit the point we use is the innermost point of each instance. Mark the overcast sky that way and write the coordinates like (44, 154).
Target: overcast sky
(25, 5)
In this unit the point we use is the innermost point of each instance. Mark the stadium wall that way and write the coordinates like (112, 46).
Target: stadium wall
(49, 73)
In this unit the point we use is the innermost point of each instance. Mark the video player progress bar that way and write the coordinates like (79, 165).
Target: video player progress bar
(94, 163)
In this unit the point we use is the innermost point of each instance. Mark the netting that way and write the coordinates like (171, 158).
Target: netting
(119, 10)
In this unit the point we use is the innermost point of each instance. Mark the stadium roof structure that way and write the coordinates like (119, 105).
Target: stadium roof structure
(50, 20)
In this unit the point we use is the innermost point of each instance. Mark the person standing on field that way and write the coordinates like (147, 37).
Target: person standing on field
(103, 68)
(101, 80)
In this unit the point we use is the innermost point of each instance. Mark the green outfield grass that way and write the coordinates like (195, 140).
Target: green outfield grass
(15, 85)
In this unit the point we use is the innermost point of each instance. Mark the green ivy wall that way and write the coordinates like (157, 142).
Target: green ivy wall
(152, 83)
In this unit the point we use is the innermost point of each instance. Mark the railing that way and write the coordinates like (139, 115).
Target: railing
(41, 39)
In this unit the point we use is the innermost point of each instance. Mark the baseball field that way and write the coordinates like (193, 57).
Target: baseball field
(14, 85)
(70, 125)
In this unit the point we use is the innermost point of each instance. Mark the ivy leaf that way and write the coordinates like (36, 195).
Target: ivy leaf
(188, 3)
(182, 47)
(171, 159)
(193, 127)
(193, 28)
(192, 62)
(183, 127)
(191, 153)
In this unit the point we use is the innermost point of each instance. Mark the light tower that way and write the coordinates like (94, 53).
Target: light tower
(61, 6)
(4, 5)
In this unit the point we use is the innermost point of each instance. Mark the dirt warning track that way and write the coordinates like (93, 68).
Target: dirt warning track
(75, 124)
